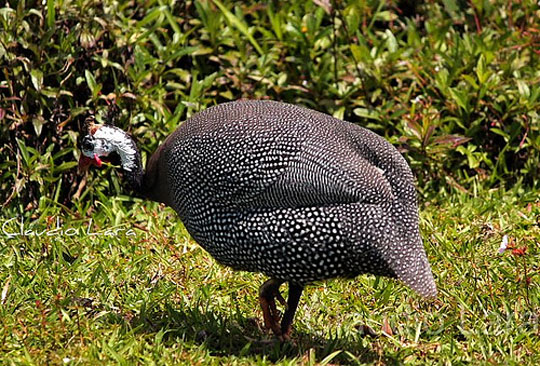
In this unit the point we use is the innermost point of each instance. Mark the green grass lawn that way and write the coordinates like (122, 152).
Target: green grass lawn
(152, 296)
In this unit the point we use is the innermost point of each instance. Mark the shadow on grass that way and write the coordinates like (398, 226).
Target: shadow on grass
(224, 335)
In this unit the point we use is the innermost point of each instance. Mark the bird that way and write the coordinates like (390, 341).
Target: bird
(280, 189)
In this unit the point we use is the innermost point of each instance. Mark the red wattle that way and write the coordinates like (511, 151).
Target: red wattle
(97, 160)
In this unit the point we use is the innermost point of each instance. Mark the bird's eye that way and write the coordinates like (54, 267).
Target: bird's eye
(88, 143)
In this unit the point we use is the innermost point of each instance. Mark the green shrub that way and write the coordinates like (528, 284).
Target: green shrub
(453, 85)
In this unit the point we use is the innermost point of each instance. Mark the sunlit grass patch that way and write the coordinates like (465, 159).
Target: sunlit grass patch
(158, 297)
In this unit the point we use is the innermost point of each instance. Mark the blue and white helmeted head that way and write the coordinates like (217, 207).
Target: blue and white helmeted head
(106, 140)
(109, 143)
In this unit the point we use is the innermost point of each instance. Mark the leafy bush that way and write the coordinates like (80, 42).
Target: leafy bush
(454, 85)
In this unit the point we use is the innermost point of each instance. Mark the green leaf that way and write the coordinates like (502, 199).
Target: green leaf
(23, 150)
(38, 125)
(182, 52)
(330, 357)
(353, 17)
(391, 42)
(37, 78)
(470, 80)
(523, 89)
(367, 113)
(172, 22)
(91, 82)
(339, 113)
(461, 98)
(65, 166)
(51, 13)
(482, 72)
(451, 7)
(240, 25)
(360, 52)
(275, 21)
(157, 13)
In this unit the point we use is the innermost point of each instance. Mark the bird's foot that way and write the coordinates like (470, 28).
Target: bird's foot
(285, 334)
(268, 293)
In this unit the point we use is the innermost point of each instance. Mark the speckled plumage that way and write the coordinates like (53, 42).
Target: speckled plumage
(296, 194)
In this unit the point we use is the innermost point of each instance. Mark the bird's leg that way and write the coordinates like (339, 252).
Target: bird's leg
(295, 291)
(268, 293)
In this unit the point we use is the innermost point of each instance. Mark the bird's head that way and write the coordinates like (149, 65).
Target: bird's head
(107, 143)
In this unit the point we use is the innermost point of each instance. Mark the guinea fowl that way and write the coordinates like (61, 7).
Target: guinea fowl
(290, 192)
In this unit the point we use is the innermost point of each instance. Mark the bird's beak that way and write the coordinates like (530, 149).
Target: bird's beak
(85, 162)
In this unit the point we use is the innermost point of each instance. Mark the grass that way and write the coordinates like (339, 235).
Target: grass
(155, 297)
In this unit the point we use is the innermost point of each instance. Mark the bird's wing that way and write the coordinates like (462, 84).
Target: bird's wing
(267, 155)
(384, 155)
(335, 174)
(269, 170)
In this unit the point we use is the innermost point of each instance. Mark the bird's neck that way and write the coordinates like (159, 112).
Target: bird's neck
(147, 184)
(130, 160)
(134, 173)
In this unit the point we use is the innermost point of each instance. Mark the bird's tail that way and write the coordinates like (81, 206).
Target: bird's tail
(406, 256)
(415, 272)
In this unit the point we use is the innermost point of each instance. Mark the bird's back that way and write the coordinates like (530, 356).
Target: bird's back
(296, 194)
